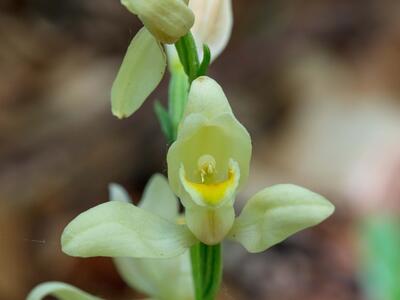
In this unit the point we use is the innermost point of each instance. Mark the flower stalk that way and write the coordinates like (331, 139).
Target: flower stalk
(206, 260)
(207, 270)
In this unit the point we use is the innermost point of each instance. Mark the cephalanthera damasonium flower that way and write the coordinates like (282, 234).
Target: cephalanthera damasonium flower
(207, 166)
(209, 163)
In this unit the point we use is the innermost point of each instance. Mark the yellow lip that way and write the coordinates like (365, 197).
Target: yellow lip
(212, 193)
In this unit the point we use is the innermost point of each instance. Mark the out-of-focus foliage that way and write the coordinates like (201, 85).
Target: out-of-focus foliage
(380, 249)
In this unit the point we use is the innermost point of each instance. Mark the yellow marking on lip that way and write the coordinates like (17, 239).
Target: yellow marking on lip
(213, 193)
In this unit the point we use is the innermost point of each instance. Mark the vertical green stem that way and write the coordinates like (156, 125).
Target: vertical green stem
(206, 269)
(186, 48)
(206, 260)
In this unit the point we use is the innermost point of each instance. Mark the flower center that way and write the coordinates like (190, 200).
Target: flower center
(208, 192)
(207, 167)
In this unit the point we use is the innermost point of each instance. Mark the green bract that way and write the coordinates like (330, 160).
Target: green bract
(141, 71)
(167, 20)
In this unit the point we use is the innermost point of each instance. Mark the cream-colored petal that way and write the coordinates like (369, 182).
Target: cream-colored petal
(277, 212)
(210, 225)
(206, 97)
(119, 229)
(59, 290)
(159, 199)
(154, 276)
(141, 71)
(213, 24)
(167, 20)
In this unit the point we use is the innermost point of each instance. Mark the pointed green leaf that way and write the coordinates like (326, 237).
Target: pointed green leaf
(120, 229)
(159, 199)
(59, 290)
(141, 71)
(205, 62)
(277, 212)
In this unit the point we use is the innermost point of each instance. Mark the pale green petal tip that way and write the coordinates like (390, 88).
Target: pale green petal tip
(276, 213)
(207, 97)
(118, 193)
(119, 229)
(59, 290)
(118, 114)
(159, 199)
(210, 226)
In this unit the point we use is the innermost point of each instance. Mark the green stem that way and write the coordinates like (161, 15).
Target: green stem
(186, 48)
(206, 260)
(206, 269)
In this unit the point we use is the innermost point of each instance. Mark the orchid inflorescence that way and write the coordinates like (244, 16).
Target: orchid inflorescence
(208, 163)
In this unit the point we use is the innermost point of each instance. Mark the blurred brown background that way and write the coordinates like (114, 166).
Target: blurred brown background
(317, 84)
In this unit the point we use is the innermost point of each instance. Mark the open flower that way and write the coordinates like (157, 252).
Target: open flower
(209, 163)
(151, 276)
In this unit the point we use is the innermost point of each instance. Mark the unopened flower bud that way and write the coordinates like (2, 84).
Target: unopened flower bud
(167, 20)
